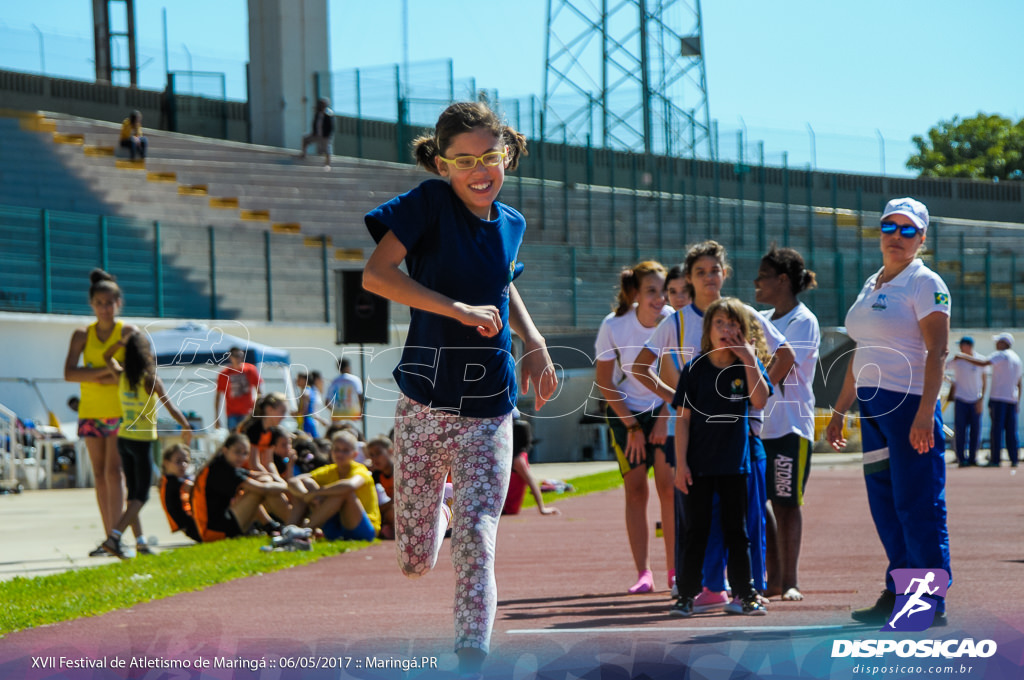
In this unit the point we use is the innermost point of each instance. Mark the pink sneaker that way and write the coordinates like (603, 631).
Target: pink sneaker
(708, 600)
(644, 584)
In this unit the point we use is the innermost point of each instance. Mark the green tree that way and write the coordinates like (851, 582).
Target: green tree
(983, 147)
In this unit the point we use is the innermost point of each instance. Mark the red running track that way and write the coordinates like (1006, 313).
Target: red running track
(563, 611)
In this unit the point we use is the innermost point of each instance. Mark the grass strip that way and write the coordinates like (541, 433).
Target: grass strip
(40, 600)
(601, 481)
(36, 601)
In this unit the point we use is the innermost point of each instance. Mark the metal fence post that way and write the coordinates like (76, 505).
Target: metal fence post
(213, 271)
(104, 259)
(785, 198)
(590, 193)
(158, 270)
(565, 183)
(740, 172)
(988, 284)
(762, 236)
(636, 209)
(540, 167)
(575, 287)
(810, 213)
(47, 263)
(611, 193)
(359, 117)
(657, 204)
(835, 212)
(1013, 289)
(963, 280)
(270, 277)
(840, 280)
(860, 234)
(326, 277)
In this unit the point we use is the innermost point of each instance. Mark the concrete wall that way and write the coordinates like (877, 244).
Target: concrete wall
(288, 44)
(193, 115)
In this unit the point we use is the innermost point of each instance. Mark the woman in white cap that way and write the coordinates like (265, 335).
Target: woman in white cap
(900, 322)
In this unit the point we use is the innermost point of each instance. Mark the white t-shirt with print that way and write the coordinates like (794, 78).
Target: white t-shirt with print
(620, 339)
(968, 380)
(885, 325)
(791, 406)
(1006, 372)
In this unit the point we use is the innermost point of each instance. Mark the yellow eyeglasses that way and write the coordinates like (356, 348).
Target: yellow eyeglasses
(489, 159)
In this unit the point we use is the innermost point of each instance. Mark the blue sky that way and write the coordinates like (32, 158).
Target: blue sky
(849, 70)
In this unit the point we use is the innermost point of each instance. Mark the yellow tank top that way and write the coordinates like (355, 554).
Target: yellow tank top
(139, 411)
(100, 401)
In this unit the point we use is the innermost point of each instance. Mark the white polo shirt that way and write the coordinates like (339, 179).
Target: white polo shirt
(620, 339)
(791, 406)
(968, 379)
(1006, 372)
(885, 324)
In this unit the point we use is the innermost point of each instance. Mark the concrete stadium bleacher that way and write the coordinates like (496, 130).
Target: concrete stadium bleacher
(578, 240)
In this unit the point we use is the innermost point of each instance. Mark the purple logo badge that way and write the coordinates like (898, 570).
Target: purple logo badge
(921, 589)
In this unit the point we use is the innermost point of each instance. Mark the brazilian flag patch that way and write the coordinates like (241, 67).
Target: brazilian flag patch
(942, 298)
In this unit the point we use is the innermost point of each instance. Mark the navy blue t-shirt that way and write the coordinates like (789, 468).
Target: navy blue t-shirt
(719, 402)
(445, 364)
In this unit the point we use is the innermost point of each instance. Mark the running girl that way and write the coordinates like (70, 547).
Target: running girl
(457, 376)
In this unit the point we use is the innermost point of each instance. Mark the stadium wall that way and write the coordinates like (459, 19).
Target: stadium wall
(572, 165)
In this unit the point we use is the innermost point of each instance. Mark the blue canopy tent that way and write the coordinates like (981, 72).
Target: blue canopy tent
(195, 344)
(196, 353)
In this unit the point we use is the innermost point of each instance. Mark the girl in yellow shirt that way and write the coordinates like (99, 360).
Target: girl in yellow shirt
(141, 393)
(99, 411)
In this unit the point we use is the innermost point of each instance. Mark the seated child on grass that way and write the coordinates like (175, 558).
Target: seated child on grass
(340, 499)
(227, 497)
(175, 489)
(380, 451)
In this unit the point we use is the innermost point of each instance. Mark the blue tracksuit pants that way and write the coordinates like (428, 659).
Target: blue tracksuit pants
(1004, 423)
(906, 489)
(967, 423)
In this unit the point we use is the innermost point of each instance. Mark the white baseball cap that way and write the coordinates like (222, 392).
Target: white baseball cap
(1004, 337)
(914, 209)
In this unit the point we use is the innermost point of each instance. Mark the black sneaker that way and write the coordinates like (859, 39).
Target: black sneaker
(683, 606)
(112, 546)
(879, 613)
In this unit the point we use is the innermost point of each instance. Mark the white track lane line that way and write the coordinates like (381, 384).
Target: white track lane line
(681, 629)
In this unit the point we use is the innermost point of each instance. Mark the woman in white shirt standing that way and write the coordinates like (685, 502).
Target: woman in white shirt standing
(900, 322)
(637, 433)
(788, 430)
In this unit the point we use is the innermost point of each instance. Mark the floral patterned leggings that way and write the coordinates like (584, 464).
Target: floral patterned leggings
(478, 451)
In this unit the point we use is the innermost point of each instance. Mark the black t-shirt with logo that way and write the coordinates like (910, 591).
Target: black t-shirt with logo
(719, 402)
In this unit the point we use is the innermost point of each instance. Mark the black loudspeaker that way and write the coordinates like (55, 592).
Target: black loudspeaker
(361, 318)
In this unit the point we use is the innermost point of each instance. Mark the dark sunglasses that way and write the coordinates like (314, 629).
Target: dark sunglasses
(905, 230)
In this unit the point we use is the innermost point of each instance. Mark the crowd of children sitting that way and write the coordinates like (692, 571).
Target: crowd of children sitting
(267, 479)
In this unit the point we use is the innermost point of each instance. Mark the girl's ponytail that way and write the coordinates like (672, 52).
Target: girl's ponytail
(425, 150)
(516, 143)
(628, 285)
